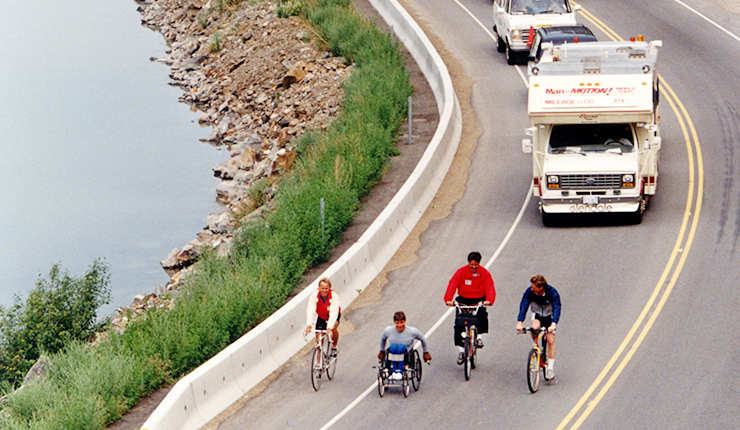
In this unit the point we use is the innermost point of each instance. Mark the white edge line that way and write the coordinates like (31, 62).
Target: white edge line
(700, 15)
(493, 38)
(441, 319)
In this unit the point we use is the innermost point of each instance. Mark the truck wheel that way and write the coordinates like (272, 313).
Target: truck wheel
(510, 57)
(500, 44)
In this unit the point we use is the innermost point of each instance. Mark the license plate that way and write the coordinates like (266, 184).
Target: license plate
(590, 200)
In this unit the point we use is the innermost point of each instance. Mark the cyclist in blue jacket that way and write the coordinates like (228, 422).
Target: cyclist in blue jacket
(544, 302)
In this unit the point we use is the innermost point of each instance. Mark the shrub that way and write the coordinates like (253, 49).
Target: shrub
(58, 310)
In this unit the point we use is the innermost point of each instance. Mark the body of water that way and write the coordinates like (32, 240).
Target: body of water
(98, 159)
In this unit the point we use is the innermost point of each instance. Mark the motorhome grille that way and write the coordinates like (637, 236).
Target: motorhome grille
(577, 182)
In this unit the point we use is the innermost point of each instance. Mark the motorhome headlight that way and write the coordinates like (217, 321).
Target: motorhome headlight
(553, 181)
(516, 34)
(628, 180)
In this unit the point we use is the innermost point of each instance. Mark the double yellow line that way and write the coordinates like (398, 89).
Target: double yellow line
(667, 281)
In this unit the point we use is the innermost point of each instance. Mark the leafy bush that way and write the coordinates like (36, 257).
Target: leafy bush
(58, 310)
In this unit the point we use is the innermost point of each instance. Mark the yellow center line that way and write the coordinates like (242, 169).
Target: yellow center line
(690, 135)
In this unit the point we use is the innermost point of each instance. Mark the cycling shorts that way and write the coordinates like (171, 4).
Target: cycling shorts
(544, 321)
(321, 323)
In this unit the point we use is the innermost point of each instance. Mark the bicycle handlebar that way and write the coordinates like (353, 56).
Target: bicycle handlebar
(535, 331)
(459, 305)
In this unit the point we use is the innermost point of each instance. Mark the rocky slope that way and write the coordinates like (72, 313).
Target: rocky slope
(259, 82)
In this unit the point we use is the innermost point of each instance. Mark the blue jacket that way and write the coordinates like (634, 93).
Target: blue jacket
(546, 305)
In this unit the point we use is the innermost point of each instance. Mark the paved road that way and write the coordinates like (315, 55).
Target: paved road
(653, 300)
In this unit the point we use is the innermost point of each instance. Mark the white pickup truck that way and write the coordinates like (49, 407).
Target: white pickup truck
(513, 19)
(595, 139)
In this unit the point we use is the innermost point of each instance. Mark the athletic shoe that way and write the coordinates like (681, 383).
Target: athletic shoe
(334, 352)
(479, 343)
(549, 372)
(397, 376)
(460, 358)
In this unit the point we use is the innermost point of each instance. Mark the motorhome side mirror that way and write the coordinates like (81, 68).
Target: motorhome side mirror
(656, 143)
(527, 146)
(576, 8)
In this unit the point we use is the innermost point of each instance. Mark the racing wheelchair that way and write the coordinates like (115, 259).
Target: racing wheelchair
(410, 375)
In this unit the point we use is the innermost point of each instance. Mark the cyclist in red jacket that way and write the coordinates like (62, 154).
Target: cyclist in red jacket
(473, 284)
(324, 310)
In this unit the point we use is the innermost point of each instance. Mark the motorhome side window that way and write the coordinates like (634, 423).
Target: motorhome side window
(580, 138)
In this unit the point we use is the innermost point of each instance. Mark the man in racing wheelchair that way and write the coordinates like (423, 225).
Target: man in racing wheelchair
(400, 339)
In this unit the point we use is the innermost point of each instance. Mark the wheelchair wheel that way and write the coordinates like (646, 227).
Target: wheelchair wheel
(416, 378)
(406, 385)
(381, 383)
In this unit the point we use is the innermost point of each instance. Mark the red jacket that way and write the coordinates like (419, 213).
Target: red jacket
(471, 286)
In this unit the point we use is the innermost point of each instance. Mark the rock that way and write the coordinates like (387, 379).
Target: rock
(219, 223)
(170, 264)
(38, 371)
(295, 74)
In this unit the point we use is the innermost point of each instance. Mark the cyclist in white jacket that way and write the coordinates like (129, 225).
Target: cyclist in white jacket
(323, 309)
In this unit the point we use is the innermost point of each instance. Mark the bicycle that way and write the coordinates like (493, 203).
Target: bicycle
(411, 376)
(322, 360)
(537, 359)
(467, 316)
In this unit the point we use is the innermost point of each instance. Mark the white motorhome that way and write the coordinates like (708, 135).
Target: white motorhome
(595, 138)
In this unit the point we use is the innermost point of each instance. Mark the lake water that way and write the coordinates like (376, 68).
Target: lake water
(98, 159)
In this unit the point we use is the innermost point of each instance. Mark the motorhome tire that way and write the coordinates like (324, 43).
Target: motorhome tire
(510, 56)
(500, 44)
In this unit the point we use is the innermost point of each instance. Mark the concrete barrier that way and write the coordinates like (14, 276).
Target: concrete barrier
(210, 389)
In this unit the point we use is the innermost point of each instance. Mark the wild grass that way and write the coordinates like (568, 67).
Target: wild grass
(230, 295)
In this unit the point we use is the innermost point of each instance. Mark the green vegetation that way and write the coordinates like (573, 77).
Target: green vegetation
(58, 310)
(230, 295)
(215, 44)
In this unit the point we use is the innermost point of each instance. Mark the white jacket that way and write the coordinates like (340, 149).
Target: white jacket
(311, 314)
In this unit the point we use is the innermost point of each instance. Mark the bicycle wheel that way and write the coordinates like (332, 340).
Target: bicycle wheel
(466, 358)
(416, 379)
(473, 347)
(533, 371)
(316, 368)
(381, 383)
(331, 367)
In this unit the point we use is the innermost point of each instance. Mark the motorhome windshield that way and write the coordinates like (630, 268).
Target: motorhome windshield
(582, 138)
(538, 6)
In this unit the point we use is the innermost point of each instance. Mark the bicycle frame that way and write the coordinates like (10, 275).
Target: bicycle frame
(470, 336)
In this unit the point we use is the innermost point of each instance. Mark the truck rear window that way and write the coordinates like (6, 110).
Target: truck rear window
(614, 138)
